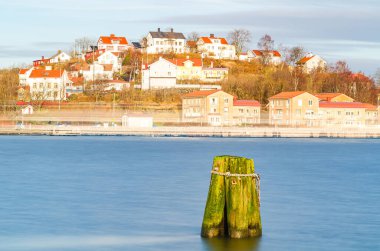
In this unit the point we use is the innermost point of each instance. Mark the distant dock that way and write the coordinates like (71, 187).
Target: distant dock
(238, 132)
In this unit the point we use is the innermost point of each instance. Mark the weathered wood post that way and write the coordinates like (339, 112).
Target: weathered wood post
(233, 203)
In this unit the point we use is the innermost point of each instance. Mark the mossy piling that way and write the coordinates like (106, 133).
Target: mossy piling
(233, 203)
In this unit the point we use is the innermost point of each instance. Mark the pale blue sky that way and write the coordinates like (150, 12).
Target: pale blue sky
(334, 29)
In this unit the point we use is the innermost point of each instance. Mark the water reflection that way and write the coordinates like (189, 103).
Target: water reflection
(226, 244)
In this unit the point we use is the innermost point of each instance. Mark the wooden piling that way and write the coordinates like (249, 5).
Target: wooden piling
(233, 206)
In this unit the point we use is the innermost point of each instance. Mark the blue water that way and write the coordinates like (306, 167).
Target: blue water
(123, 193)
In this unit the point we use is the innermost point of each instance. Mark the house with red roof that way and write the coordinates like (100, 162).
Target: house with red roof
(312, 62)
(334, 97)
(267, 57)
(347, 113)
(293, 108)
(113, 43)
(216, 47)
(218, 108)
(48, 84)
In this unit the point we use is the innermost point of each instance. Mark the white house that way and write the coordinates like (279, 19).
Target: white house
(270, 57)
(23, 75)
(158, 42)
(110, 58)
(113, 43)
(159, 75)
(60, 57)
(312, 62)
(27, 110)
(97, 71)
(48, 84)
(215, 47)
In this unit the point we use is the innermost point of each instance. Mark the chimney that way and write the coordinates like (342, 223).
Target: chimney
(171, 30)
(159, 29)
(212, 35)
(112, 35)
(43, 57)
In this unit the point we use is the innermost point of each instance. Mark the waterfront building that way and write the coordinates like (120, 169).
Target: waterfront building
(334, 97)
(246, 112)
(218, 108)
(293, 108)
(216, 47)
(161, 42)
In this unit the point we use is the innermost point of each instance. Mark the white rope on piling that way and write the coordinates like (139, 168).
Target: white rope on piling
(254, 175)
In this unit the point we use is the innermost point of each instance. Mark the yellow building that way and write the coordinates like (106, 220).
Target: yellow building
(218, 108)
(293, 108)
(344, 113)
(334, 97)
(188, 69)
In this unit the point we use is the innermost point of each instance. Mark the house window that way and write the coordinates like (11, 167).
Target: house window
(310, 102)
(225, 109)
(226, 100)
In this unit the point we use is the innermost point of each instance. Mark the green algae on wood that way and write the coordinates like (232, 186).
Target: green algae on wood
(233, 207)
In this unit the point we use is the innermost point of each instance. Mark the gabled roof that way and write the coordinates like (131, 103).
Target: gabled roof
(201, 93)
(23, 71)
(163, 34)
(261, 52)
(287, 95)
(40, 73)
(325, 104)
(137, 45)
(112, 38)
(328, 96)
(181, 61)
(58, 53)
(305, 59)
(247, 103)
(208, 40)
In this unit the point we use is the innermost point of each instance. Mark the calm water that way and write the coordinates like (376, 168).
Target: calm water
(120, 193)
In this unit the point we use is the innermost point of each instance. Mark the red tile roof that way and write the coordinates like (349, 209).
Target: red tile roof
(247, 103)
(201, 93)
(23, 71)
(325, 104)
(327, 96)
(112, 37)
(40, 73)
(304, 60)
(181, 61)
(287, 95)
(260, 53)
(208, 40)
(191, 44)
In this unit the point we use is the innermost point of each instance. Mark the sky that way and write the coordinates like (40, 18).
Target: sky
(334, 29)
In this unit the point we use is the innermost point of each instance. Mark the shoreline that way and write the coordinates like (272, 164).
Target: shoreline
(220, 132)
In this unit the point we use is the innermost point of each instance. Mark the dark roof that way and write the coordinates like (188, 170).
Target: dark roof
(137, 45)
(172, 35)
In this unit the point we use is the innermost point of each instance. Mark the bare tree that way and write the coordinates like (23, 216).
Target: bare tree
(81, 45)
(266, 45)
(193, 36)
(240, 38)
(377, 77)
(294, 54)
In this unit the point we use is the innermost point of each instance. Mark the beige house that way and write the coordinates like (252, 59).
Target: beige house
(218, 108)
(246, 112)
(345, 113)
(293, 108)
(334, 97)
